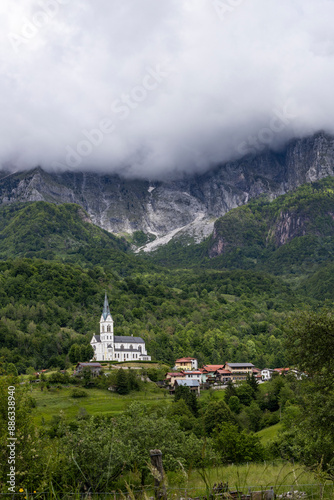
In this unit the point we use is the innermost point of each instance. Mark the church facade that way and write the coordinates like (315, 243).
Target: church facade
(110, 347)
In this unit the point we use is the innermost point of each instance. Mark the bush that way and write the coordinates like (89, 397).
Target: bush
(78, 393)
(59, 378)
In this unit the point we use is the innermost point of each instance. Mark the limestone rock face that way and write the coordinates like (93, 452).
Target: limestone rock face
(182, 207)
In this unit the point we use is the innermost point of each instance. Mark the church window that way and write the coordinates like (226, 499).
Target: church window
(108, 328)
(103, 329)
(122, 347)
(139, 348)
(131, 348)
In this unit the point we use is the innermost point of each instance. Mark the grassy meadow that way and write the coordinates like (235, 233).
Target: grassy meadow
(98, 401)
(269, 433)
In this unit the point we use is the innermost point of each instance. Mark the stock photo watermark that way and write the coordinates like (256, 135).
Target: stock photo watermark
(121, 109)
(280, 120)
(225, 7)
(11, 439)
(30, 27)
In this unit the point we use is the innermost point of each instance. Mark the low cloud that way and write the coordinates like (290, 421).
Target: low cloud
(157, 89)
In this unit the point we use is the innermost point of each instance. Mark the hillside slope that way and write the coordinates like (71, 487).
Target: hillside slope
(61, 232)
(216, 316)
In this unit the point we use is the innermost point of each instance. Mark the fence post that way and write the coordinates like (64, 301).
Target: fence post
(158, 473)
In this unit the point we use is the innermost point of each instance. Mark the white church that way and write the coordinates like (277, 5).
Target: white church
(109, 347)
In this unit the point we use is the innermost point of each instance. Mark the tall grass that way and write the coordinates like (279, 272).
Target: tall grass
(195, 483)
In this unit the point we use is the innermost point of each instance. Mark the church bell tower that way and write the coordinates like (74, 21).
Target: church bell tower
(107, 329)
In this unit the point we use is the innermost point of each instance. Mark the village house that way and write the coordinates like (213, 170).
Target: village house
(193, 385)
(172, 377)
(257, 374)
(284, 371)
(266, 374)
(94, 368)
(281, 371)
(211, 373)
(239, 371)
(186, 364)
(204, 375)
(193, 375)
(223, 376)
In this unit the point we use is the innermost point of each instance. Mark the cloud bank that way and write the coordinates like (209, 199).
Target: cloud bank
(155, 89)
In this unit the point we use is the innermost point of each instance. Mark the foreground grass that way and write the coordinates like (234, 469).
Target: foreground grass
(98, 402)
(281, 476)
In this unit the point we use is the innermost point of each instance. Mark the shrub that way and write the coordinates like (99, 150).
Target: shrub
(78, 393)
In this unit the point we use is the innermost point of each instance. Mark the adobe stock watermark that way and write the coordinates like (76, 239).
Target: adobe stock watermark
(265, 137)
(11, 476)
(30, 27)
(225, 7)
(121, 110)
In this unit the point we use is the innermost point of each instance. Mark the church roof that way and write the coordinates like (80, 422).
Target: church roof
(106, 310)
(128, 339)
(123, 340)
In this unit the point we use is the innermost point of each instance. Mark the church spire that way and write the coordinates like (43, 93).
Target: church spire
(106, 310)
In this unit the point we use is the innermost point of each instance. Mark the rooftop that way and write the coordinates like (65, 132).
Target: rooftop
(106, 310)
(213, 368)
(128, 340)
(184, 360)
(188, 383)
(240, 365)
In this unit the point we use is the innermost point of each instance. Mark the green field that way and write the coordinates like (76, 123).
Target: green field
(269, 433)
(98, 402)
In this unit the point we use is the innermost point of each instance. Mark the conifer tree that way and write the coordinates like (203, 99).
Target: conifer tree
(122, 382)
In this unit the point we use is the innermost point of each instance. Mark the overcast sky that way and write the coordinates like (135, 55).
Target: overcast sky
(152, 88)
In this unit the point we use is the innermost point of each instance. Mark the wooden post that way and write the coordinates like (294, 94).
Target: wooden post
(159, 483)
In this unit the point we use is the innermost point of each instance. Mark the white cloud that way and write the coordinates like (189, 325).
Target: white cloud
(223, 79)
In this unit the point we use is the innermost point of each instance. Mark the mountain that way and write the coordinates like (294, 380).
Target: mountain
(293, 231)
(292, 234)
(186, 208)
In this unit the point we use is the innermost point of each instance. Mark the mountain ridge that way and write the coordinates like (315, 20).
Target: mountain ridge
(172, 209)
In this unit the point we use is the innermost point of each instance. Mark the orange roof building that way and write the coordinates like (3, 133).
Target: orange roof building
(186, 363)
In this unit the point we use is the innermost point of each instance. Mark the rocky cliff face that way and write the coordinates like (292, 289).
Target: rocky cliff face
(176, 208)
(289, 226)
